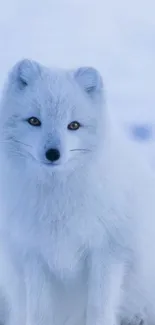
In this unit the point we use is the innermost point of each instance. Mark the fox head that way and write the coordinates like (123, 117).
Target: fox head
(52, 117)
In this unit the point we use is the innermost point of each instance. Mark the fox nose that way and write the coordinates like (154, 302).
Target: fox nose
(52, 154)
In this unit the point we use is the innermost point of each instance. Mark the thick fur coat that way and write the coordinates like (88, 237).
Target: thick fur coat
(71, 249)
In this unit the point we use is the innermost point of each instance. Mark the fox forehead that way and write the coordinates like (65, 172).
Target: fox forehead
(56, 98)
(53, 93)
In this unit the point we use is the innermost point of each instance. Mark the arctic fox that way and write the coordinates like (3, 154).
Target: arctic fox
(67, 204)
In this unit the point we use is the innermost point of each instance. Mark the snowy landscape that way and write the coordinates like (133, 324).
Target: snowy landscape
(77, 265)
(117, 37)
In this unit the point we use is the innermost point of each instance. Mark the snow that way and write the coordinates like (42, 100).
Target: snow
(116, 36)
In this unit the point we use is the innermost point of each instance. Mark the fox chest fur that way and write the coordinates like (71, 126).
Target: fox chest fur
(61, 221)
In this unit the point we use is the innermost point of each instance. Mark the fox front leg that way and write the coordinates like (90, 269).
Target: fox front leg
(12, 286)
(104, 289)
(38, 291)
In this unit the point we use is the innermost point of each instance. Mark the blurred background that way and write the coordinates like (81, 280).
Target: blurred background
(115, 36)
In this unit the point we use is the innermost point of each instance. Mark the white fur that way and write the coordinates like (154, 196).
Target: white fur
(69, 231)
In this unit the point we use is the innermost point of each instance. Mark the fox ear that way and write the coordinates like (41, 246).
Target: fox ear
(24, 72)
(89, 79)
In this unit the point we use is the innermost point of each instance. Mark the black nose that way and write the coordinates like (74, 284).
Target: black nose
(52, 154)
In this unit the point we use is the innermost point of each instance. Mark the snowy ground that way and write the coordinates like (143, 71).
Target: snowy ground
(116, 36)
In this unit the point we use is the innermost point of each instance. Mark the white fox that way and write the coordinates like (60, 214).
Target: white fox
(68, 242)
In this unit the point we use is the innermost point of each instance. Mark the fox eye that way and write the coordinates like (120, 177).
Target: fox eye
(73, 126)
(34, 121)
